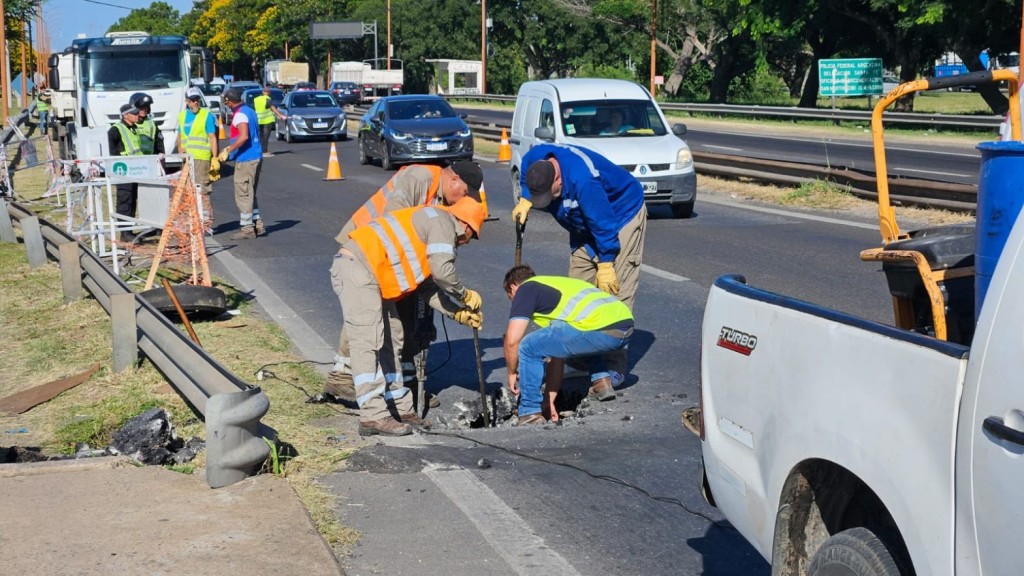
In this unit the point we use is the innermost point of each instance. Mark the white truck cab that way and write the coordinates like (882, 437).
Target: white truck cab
(615, 118)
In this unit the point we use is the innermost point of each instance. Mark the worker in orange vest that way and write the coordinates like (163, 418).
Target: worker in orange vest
(381, 262)
(413, 185)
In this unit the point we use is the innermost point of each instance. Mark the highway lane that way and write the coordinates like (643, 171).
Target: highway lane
(596, 526)
(943, 162)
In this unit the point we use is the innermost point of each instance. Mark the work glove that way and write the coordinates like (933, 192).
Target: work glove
(606, 279)
(472, 299)
(214, 175)
(214, 165)
(223, 156)
(521, 210)
(468, 317)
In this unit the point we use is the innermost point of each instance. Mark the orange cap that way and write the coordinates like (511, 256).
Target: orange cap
(469, 211)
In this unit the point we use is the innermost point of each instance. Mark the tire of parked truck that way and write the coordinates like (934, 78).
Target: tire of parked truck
(197, 301)
(682, 209)
(853, 552)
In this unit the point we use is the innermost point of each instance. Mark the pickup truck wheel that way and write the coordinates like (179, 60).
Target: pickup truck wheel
(853, 552)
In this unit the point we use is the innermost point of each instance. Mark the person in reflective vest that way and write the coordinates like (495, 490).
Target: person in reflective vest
(197, 137)
(576, 320)
(123, 140)
(389, 258)
(266, 111)
(413, 185)
(43, 100)
(149, 134)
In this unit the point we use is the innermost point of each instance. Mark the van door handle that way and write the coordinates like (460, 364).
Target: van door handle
(994, 425)
(515, 141)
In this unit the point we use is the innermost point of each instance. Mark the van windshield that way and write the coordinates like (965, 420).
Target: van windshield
(611, 118)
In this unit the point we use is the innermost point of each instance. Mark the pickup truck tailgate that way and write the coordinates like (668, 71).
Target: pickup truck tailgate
(785, 382)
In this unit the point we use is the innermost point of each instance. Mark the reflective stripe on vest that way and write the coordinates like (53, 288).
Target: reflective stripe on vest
(374, 207)
(196, 140)
(396, 255)
(129, 140)
(264, 115)
(42, 106)
(147, 133)
(581, 305)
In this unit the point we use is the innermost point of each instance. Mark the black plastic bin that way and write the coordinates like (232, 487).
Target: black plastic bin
(944, 247)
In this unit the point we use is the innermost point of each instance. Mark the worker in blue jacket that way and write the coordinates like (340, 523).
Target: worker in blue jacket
(602, 207)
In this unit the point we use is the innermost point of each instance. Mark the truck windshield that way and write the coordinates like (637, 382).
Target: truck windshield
(132, 70)
(610, 118)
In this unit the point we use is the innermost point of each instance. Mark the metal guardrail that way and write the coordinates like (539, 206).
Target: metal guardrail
(230, 407)
(974, 121)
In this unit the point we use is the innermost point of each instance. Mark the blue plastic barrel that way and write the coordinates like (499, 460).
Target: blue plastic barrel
(1000, 198)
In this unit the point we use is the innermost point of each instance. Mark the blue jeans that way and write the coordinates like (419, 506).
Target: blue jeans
(559, 340)
(43, 117)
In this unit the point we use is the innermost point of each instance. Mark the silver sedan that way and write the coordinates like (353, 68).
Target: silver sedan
(311, 114)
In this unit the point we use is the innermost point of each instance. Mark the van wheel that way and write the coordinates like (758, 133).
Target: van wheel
(683, 209)
(517, 192)
(853, 552)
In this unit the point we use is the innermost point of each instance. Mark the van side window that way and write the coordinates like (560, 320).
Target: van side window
(547, 115)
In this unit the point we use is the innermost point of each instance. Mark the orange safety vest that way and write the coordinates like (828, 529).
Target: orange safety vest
(374, 207)
(396, 255)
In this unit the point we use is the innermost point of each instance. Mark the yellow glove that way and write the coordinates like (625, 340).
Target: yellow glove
(223, 156)
(214, 175)
(215, 165)
(521, 210)
(606, 279)
(472, 299)
(467, 317)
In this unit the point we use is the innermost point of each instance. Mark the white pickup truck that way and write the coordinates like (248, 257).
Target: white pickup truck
(840, 446)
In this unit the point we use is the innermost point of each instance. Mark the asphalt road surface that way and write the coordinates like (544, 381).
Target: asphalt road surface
(534, 516)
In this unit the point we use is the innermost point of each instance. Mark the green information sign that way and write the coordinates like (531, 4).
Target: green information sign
(850, 77)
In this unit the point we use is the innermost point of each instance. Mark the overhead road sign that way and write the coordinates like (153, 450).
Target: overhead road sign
(850, 77)
(335, 30)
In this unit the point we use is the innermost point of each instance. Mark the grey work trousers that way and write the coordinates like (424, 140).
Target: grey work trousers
(246, 180)
(627, 270)
(374, 338)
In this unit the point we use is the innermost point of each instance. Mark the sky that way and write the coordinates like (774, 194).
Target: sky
(66, 19)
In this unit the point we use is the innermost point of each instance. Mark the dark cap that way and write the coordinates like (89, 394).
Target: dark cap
(232, 95)
(128, 109)
(471, 174)
(539, 178)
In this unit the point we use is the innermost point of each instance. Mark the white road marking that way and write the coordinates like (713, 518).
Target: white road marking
(663, 274)
(730, 148)
(510, 535)
(825, 219)
(312, 167)
(957, 174)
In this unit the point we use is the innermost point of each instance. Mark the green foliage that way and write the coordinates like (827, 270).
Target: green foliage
(696, 84)
(588, 70)
(160, 19)
(759, 87)
(818, 194)
(506, 71)
(95, 424)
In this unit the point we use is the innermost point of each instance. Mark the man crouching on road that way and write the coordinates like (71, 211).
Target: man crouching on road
(575, 319)
(379, 264)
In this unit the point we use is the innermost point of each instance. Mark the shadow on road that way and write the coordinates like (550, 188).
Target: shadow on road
(726, 553)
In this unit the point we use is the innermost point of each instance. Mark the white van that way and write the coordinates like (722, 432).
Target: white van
(615, 118)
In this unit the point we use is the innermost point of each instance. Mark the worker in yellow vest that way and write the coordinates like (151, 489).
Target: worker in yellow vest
(413, 185)
(197, 137)
(266, 111)
(382, 262)
(576, 320)
(43, 100)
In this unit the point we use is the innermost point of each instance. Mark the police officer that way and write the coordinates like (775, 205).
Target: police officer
(123, 140)
(149, 134)
(265, 113)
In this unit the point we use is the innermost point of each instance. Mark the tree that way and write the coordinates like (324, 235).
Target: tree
(160, 19)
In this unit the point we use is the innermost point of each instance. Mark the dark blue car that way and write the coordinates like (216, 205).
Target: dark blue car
(413, 128)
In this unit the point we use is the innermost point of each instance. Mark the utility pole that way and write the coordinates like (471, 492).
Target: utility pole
(389, 35)
(24, 64)
(5, 83)
(654, 41)
(483, 46)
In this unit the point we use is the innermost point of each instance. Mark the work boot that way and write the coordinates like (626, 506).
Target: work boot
(245, 233)
(340, 385)
(261, 230)
(413, 419)
(601, 390)
(385, 427)
(535, 419)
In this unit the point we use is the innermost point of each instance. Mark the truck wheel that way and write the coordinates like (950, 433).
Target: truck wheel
(197, 301)
(682, 209)
(853, 552)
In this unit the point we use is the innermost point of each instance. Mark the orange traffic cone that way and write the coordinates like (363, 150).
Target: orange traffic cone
(333, 168)
(220, 129)
(483, 202)
(504, 149)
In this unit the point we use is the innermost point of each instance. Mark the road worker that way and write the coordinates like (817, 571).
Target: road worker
(266, 112)
(197, 137)
(576, 320)
(380, 263)
(602, 207)
(245, 149)
(414, 185)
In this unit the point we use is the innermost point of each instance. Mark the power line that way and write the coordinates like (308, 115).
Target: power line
(109, 4)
